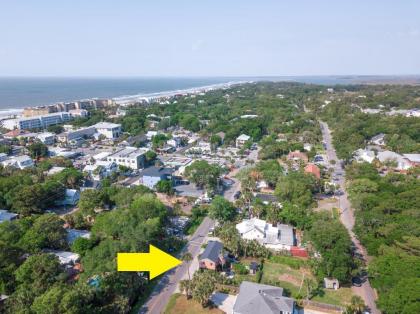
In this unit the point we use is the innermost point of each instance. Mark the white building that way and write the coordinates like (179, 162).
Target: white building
(47, 138)
(241, 140)
(20, 162)
(174, 142)
(74, 135)
(364, 155)
(276, 238)
(109, 130)
(378, 139)
(101, 169)
(80, 113)
(150, 134)
(37, 122)
(391, 157)
(130, 157)
(66, 258)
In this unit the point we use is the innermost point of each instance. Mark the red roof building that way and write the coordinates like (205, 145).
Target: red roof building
(312, 168)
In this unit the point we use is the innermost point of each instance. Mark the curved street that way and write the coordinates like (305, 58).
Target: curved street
(347, 218)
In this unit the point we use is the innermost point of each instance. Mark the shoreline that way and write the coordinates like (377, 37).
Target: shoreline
(129, 99)
(171, 93)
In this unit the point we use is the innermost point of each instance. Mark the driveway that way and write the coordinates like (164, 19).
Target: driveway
(347, 218)
(223, 301)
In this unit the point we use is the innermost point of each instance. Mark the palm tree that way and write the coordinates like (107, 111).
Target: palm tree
(185, 286)
(187, 258)
(356, 305)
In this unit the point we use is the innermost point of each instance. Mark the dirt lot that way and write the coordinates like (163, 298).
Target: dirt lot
(178, 304)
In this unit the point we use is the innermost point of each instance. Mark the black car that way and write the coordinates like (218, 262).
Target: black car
(237, 195)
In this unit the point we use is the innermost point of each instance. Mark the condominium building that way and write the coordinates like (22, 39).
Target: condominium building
(130, 157)
(37, 122)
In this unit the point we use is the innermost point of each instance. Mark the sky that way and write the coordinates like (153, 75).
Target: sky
(209, 37)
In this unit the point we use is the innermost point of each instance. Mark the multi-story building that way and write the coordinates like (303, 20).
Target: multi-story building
(109, 130)
(69, 136)
(37, 122)
(130, 157)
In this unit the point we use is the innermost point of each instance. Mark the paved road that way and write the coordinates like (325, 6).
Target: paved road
(168, 283)
(347, 218)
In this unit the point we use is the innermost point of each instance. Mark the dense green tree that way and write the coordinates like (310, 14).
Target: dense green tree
(38, 150)
(222, 210)
(203, 174)
(165, 186)
(297, 188)
(46, 232)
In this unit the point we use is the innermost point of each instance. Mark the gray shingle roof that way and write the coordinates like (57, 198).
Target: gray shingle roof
(157, 172)
(212, 251)
(258, 298)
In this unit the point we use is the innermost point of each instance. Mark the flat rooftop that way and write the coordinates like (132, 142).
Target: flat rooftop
(128, 152)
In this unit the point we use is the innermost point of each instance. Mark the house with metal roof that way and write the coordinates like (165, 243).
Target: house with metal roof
(258, 298)
(280, 237)
(5, 215)
(152, 175)
(212, 257)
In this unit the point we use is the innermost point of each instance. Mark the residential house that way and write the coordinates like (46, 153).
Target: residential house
(66, 258)
(101, 169)
(212, 257)
(47, 138)
(21, 162)
(297, 155)
(5, 215)
(152, 175)
(258, 298)
(14, 134)
(313, 169)
(390, 157)
(412, 159)
(241, 140)
(378, 140)
(3, 157)
(280, 237)
(109, 130)
(73, 234)
(174, 142)
(72, 136)
(364, 155)
(130, 157)
(71, 198)
(267, 198)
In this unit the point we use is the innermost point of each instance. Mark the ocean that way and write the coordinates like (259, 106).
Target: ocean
(17, 93)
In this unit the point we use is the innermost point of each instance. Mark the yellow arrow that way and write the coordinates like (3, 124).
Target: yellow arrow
(155, 262)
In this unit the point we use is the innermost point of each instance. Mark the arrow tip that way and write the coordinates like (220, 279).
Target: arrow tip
(161, 261)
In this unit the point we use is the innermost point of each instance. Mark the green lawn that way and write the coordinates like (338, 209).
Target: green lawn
(339, 297)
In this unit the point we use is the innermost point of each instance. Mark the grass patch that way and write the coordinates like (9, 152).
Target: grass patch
(292, 262)
(339, 297)
(178, 304)
(193, 225)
